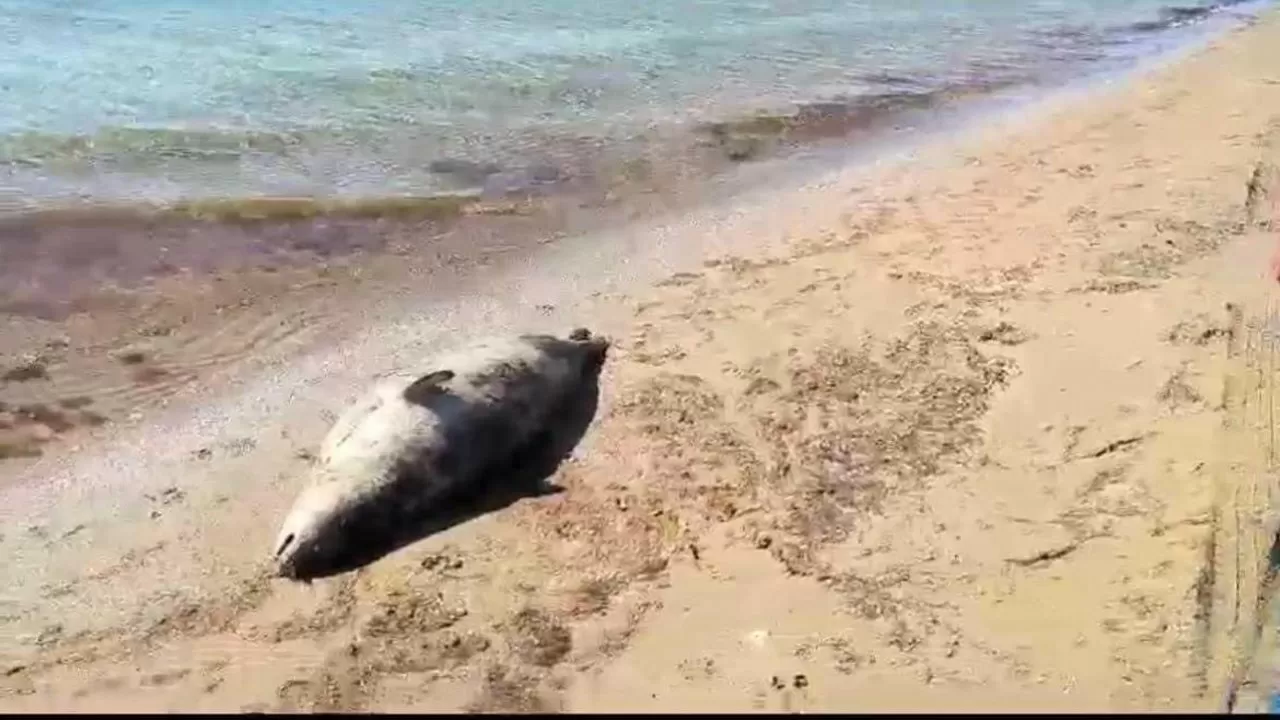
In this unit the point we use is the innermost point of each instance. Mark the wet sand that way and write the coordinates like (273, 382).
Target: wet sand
(986, 428)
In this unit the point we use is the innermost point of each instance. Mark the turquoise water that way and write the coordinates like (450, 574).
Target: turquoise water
(154, 99)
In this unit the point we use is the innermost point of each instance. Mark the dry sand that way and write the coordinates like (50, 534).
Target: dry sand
(989, 429)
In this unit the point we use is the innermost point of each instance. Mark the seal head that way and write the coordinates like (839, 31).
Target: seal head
(314, 532)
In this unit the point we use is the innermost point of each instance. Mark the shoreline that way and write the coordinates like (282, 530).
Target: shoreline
(214, 253)
(977, 306)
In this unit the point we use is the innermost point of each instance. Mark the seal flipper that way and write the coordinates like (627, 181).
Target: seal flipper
(422, 389)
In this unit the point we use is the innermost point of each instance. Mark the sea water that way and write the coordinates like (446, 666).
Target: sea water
(122, 100)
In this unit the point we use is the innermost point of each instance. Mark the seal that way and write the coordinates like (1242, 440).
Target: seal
(413, 443)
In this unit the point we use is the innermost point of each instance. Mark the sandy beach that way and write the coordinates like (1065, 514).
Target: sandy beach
(986, 425)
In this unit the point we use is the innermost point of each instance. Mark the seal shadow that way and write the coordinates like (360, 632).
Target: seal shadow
(525, 474)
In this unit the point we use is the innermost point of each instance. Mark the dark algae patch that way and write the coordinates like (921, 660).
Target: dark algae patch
(26, 428)
(26, 372)
(752, 136)
(248, 210)
(284, 209)
(132, 357)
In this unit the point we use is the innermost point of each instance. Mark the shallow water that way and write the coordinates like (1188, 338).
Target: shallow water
(160, 99)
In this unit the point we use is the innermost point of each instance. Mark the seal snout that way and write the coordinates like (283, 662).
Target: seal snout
(311, 531)
(299, 549)
(296, 560)
(285, 545)
(286, 555)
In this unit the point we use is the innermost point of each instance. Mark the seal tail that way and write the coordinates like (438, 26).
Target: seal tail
(596, 346)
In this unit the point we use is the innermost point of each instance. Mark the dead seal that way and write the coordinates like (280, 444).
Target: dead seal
(413, 442)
